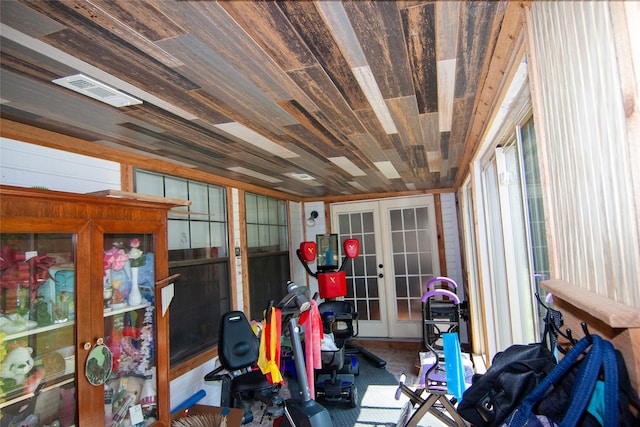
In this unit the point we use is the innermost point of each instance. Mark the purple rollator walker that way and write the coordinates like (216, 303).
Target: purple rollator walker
(437, 314)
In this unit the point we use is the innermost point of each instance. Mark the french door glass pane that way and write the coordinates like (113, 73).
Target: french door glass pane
(362, 279)
(412, 255)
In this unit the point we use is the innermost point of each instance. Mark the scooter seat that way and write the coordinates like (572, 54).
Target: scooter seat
(251, 381)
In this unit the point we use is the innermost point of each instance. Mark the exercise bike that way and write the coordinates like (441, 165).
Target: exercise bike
(301, 410)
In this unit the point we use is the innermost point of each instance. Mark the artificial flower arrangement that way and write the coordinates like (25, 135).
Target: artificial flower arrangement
(137, 258)
(22, 273)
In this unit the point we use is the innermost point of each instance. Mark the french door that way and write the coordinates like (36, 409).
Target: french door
(398, 256)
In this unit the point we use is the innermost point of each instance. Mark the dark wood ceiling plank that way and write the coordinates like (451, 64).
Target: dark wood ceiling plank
(420, 35)
(479, 26)
(365, 144)
(138, 23)
(379, 28)
(25, 62)
(56, 104)
(313, 125)
(430, 131)
(320, 88)
(101, 48)
(496, 71)
(405, 115)
(30, 22)
(267, 25)
(214, 75)
(212, 25)
(311, 27)
(372, 125)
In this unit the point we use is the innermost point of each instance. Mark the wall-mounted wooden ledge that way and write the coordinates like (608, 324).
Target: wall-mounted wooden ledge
(143, 197)
(613, 313)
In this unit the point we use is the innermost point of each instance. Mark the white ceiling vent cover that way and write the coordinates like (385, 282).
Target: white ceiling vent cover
(96, 90)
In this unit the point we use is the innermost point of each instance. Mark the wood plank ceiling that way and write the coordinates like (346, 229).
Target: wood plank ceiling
(315, 99)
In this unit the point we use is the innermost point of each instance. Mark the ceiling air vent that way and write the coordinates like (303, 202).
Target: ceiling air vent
(96, 90)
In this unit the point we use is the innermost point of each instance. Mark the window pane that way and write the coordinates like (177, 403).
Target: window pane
(199, 197)
(251, 208)
(178, 233)
(200, 235)
(151, 184)
(217, 204)
(218, 240)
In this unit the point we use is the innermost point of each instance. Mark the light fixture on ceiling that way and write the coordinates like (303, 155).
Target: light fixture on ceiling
(311, 221)
(97, 90)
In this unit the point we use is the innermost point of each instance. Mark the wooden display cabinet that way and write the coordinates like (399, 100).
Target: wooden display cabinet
(78, 344)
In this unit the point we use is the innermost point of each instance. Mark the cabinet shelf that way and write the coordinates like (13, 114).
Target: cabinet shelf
(38, 330)
(112, 312)
(49, 385)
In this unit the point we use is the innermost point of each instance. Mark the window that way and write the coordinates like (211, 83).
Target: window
(199, 252)
(268, 251)
(535, 211)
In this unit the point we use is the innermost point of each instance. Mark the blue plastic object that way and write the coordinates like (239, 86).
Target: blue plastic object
(453, 364)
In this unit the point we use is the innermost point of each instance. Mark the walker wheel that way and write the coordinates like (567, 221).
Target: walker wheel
(353, 398)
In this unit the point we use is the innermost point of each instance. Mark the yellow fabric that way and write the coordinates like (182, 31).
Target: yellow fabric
(268, 357)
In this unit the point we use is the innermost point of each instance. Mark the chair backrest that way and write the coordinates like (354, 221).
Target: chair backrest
(345, 315)
(238, 345)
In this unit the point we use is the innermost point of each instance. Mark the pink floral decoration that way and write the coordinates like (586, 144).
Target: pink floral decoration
(115, 259)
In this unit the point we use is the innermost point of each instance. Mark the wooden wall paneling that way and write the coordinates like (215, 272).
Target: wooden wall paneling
(442, 253)
(420, 35)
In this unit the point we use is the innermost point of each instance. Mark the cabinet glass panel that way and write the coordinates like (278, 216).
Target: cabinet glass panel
(37, 313)
(129, 322)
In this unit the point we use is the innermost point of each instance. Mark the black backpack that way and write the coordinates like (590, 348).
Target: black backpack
(513, 374)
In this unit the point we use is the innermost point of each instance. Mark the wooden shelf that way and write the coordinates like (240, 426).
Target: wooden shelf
(615, 314)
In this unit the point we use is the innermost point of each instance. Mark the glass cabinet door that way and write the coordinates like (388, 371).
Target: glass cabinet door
(37, 333)
(126, 364)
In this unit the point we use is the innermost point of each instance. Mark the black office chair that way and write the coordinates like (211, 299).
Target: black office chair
(238, 351)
